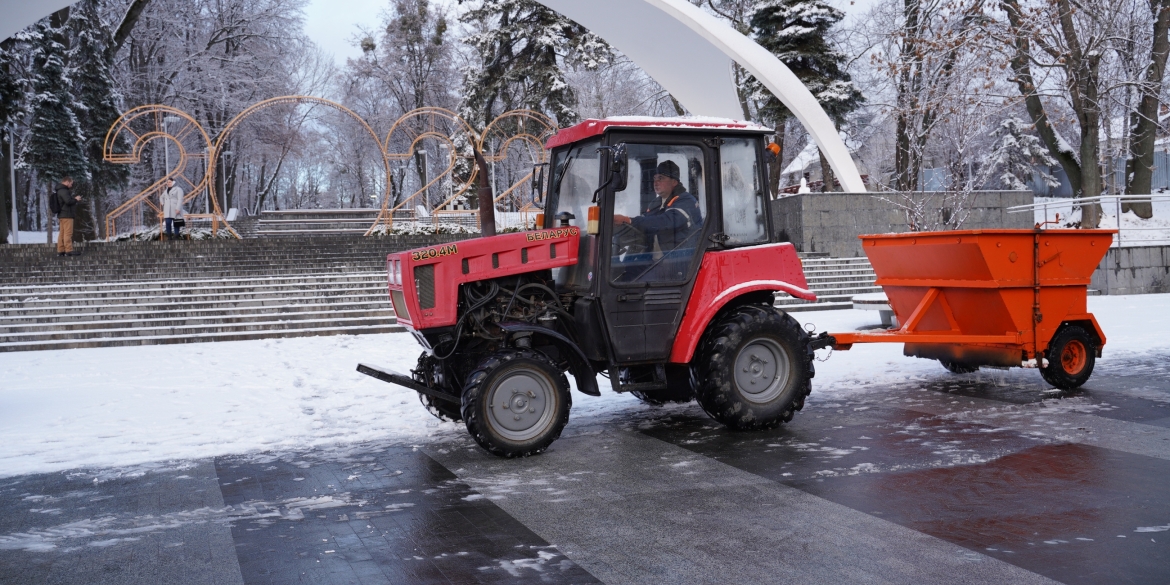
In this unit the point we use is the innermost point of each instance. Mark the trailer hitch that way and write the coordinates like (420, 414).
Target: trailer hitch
(821, 341)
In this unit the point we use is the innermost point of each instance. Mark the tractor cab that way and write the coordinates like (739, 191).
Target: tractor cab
(650, 197)
(652, 265)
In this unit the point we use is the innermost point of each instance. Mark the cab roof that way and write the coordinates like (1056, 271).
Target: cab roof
(592, 127)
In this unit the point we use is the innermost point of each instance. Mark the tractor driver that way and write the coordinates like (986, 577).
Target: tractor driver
(673, 218)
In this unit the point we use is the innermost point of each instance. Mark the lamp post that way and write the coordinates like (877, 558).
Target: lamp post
(12, 185)
(167, 143)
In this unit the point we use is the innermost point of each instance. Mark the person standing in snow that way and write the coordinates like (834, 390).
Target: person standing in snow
(172, 207)
(67, 200)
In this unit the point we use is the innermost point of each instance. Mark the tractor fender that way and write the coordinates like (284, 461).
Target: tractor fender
(727, 275)
(578, 363)
(697, 318)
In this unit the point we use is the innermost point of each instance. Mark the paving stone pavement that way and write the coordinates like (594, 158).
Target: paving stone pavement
(978, 478)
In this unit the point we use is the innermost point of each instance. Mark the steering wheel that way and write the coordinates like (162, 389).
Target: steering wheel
(628, 239)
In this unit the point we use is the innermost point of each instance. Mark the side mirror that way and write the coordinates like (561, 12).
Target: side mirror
(619, 167)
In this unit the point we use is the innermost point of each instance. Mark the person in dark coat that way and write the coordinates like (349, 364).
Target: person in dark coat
(68, 201)
(673, 218)
(672, 221)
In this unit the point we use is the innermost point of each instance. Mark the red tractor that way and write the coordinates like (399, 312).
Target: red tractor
(654, 265)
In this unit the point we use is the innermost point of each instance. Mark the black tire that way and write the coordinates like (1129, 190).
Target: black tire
(1071, 355)
(680, 388)
(443, 410)
(958, 367)
(534, 421)
(737, 352)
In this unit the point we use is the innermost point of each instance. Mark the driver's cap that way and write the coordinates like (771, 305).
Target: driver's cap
(668, 169)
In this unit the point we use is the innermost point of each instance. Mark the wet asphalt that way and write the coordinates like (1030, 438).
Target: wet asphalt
(979, 478)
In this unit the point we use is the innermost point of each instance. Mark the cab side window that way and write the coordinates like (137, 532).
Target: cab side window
(743, 196)
(659, 217)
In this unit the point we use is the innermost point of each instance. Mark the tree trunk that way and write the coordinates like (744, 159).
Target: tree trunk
(1144, 122)
(6, 187)
(128, 21)
(1021, 66)
(828, 181)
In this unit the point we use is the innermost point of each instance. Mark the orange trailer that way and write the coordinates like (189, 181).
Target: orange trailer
(1005, 298)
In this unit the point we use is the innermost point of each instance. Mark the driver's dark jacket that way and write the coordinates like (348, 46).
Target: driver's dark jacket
(671, 221)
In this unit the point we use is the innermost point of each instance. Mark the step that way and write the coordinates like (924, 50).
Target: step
(272, 326)
(127, 312)
(199, 338)
(184, 320)
(183, 290)
(128, 285)
(242, 294)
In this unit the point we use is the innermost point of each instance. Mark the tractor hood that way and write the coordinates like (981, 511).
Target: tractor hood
(424, 283)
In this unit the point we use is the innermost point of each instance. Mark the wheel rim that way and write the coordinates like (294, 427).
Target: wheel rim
(521, 405)
(762, 370)
(1073, 357)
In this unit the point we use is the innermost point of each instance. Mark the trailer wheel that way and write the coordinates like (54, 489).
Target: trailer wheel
(1071, 356)
(755, 370)
(515, 403)
(958, 368)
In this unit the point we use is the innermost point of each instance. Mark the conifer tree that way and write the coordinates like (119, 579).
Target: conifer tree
(1017, 155)
(10, 99)
(521, 48)
(54, 146)
(96, 104)
(796, 32)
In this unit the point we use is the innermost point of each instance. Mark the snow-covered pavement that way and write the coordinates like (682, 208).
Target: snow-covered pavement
(158, 405)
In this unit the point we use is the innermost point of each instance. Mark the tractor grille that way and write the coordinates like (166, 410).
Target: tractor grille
(424, 282)
(399, 303)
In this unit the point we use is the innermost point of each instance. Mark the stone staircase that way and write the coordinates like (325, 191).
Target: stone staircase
(834, 280)
(179, 292)
(138, 293)
(320, 222)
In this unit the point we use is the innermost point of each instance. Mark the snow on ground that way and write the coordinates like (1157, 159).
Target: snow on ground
(150, 405)
(1135, 231)
(32, 237)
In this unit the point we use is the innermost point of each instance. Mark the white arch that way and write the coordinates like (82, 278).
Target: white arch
(689, 52)
(686, 50)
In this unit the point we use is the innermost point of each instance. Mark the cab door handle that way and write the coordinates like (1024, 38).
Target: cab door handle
(629, 297)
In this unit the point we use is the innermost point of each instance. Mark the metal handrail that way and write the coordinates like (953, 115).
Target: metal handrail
(1112, 202)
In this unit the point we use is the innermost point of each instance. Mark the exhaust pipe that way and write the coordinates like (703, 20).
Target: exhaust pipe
(487, 213)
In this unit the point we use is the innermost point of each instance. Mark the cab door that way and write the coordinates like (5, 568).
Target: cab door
(649, 264)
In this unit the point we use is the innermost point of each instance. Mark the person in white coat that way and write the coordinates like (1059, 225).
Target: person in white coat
(172, 207)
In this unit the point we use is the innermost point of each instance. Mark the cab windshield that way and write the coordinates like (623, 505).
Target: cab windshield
(576, 172)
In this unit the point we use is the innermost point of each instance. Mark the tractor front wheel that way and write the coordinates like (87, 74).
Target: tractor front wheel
(441, 409)
(1071, 357)
(515, 403)
(755, 370)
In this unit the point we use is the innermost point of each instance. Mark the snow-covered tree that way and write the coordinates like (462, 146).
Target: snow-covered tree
(10, 99)
(54, 147)
(521, 48)
(797, 32)
(1018, 154)
(97, 104)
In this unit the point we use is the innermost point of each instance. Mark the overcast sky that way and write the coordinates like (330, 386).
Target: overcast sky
(332, 23)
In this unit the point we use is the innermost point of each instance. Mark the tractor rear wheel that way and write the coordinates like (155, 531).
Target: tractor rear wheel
(516, 402)
(1071, 357)
(755, 369)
